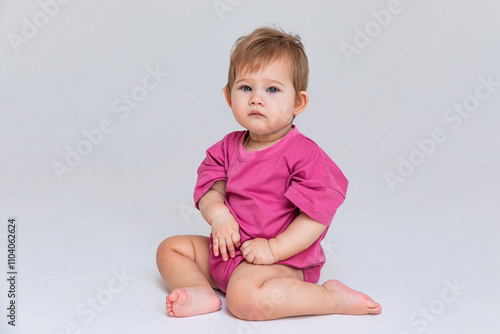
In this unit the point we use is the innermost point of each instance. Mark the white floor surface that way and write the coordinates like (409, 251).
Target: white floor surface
(88, 266)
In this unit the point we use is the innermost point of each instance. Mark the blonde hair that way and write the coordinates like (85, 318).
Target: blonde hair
(265, 46)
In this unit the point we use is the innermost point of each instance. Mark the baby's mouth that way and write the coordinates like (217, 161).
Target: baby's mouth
(255, 113)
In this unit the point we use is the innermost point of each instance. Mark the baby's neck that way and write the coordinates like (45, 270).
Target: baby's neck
(254, 142)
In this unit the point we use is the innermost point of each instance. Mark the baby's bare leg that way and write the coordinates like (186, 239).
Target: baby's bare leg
(183, 262)
(277, 291)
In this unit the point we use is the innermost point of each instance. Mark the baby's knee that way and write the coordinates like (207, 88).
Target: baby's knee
(246, 303)
(175, 244)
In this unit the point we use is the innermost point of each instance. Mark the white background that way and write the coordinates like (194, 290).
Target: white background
(402, 245)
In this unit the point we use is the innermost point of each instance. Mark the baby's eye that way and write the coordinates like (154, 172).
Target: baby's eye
(272, 90)
(246, 88)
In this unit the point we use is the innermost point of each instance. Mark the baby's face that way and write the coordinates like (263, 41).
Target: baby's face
(264, 102)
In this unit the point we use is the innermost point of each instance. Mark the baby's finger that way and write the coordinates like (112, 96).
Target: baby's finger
(216, 246)
(230, 248)
(244, 251)
(235, 237)
(222, 248)
(249, 257)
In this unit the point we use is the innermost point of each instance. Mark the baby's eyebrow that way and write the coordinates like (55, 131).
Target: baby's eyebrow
(242, 79)
(274, 81)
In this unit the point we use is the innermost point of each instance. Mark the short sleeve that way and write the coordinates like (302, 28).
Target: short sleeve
(318, 187)
(211, 169)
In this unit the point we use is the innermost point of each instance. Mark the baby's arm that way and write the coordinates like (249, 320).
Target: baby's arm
(225, 229)
(301, 234)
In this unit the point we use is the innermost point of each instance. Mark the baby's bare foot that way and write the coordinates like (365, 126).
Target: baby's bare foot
(191, 301)
(349, 301)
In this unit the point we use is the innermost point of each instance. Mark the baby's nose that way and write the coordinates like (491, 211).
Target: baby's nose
(256, 99)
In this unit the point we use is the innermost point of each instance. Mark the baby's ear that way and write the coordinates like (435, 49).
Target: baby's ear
(301, 101)
(227, 95)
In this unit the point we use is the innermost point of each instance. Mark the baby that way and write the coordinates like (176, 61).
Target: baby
(269, 194)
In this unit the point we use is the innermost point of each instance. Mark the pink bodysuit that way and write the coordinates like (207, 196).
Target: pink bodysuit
(265, 191)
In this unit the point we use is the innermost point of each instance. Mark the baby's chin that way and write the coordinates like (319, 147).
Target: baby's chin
(260, 126)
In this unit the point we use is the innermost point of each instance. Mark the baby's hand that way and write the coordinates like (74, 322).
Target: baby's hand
(225, 235)
(257, 251)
